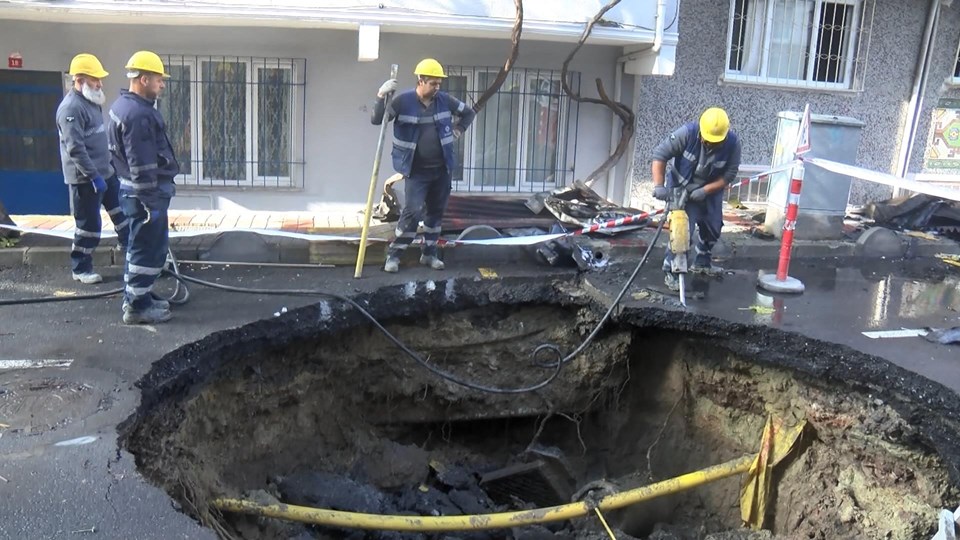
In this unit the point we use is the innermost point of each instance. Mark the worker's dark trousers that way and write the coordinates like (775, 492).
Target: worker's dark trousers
(426, 192)
(146, 253)
(706, 219)
(85, 206)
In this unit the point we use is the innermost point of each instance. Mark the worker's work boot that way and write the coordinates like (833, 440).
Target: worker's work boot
(151, 315)
(88, 278)
(392, 265)
(703, 264)
(432, 261)
(671, 281)
(157, 303)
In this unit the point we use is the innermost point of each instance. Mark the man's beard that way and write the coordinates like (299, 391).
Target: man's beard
(96, 96)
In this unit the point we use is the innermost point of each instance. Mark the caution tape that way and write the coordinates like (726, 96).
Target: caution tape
(503, 241)
(883, 178)
(68, 235)
(760, 176)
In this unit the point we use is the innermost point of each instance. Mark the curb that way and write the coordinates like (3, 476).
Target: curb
(731, 247)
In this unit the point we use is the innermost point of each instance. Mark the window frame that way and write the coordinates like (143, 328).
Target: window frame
(470, 183)
(850, 51)
(252, 65)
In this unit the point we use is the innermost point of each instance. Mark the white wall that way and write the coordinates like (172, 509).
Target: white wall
(340, 142)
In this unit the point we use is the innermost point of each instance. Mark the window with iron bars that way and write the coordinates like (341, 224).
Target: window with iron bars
(805, 43)
(524, 139)
(235, 121)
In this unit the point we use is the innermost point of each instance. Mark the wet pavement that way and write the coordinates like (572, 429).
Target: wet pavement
(86, 484)
(842, 302)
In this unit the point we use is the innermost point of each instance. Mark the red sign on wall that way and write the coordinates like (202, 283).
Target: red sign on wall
(15, 61)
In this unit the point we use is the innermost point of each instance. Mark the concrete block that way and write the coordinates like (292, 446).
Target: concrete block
(296, 252)
(60, 256)
(880, 242)
(241, 246)
(11, 257)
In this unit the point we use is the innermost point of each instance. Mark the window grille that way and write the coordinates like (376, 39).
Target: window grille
(805, 43)
(525, 138)
(236, 121)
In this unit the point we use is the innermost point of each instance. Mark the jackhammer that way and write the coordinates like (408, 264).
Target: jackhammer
(679, 242)
(679, 232)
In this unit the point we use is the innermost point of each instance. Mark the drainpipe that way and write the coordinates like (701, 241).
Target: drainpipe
(659, 29)
(916, 97)
(614, 128)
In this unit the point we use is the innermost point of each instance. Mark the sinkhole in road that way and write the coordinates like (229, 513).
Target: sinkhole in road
(317, 408)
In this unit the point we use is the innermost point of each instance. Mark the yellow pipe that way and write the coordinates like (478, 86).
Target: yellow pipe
(354, 520)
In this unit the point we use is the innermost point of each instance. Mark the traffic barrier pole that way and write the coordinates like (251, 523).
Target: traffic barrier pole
(782, 282)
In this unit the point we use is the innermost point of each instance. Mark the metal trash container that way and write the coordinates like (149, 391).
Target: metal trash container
(823, 200)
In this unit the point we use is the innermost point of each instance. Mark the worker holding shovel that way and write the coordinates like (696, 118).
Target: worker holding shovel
(424, 132)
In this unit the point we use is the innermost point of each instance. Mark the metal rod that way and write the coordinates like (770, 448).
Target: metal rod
(358, 271)
(271, 265)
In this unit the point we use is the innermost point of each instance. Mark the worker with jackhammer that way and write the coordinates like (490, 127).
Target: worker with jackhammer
(86, 165)
(146, 165)
(706, 158)
(426, 124)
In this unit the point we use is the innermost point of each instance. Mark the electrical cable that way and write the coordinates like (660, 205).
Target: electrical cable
(613, 305)
(183, 292)
(403, 347)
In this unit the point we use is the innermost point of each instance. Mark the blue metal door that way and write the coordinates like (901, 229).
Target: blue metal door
(31, 181)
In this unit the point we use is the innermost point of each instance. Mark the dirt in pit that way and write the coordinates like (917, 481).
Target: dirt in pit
(344, 421)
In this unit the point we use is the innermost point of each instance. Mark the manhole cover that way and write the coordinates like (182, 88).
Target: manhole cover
(34, 405)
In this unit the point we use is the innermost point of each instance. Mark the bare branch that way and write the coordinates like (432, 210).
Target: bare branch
(624, 112)
(508, 65)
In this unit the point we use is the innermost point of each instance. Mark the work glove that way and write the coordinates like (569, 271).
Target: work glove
(661, 193)
(698, 194)
(99, 184)
(387, 87)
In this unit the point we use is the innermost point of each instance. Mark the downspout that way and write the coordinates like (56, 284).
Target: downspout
(658, 32)
(916, 98)
(614, 129)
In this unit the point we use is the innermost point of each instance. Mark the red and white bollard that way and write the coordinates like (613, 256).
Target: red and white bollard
(781, 281)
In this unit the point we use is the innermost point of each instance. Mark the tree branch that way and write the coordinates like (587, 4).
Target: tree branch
(508, 65)
(624, 112)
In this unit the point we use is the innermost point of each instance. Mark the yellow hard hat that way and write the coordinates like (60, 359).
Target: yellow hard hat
(428, 67)
(146, 61)
(714, 125)
(87, 64)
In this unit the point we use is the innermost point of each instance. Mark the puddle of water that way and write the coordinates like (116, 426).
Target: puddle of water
(880, 300)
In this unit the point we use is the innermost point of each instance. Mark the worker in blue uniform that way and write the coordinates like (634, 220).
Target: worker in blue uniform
(706, 157)
(146, 166)
(86, 165)
(426, 124)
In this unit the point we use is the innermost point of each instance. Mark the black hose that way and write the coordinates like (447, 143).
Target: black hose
(557, 364)
(613, 305)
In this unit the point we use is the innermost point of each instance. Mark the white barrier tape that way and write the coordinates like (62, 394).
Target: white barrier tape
(793, 198)
(886, 179)
(530, 240)
(68, 235)
(506, 241)
(750, 179)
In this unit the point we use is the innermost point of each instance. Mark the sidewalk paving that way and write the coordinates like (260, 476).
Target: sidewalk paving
(193, 220)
